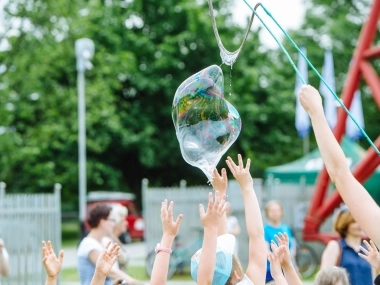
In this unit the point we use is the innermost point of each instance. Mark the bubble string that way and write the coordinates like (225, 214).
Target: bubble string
(228, 57)
(309, 63)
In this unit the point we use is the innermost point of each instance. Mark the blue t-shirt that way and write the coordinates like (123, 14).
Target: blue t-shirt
(269, 233)
(359, 270)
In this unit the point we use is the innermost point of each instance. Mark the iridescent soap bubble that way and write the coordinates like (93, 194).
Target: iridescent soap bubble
(206, 124)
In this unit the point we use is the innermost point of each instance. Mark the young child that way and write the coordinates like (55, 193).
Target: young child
(274, 214)
(332, 276)
(215, 264)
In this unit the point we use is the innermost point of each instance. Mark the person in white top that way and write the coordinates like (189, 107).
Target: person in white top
(102, 223)
(4, 260)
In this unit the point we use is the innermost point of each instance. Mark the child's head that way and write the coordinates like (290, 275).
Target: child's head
(274, 211)
(227, 268)
(332, 276)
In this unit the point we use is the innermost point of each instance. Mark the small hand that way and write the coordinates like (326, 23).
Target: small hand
(169, 226)
(275, 260)
(51, 263)
(215, 210)
(220, 181)
(371, 254)
(310, 98)
(241, 173)
(107, 258)
(283, 240)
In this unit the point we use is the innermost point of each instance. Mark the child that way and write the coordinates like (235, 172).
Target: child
(215, 264)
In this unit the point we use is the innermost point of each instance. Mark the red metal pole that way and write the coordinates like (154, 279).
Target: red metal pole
(312, 221)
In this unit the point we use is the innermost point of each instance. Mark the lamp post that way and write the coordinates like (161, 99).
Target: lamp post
(84, 51)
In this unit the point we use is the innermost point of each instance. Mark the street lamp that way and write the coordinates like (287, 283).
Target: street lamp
(84, 51)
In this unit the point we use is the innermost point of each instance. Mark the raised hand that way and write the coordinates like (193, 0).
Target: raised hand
(310, 98)
(241, 173)
(220, 181)
(283, 240)
(107, 258)
(215, 210)
(371, 254)
(275, 258)
(169, 226)
(50, 261)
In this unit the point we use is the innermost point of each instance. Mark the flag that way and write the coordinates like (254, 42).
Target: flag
(356, 110)
(329, 99)
(302, 118)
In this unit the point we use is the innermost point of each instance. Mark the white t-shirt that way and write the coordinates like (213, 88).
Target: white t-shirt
(245, 281)
(86, 268)
(232, 222)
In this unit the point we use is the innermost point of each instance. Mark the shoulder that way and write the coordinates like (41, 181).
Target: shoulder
(87, 245)
(5, 253)
(333, 247)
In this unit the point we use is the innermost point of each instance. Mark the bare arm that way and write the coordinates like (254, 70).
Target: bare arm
(220, 184)
(4, 264)
(257, 254)
(291, 275)
(330, 255)
(210, 221)
(275, 264)
(349, 188)
(170, 230)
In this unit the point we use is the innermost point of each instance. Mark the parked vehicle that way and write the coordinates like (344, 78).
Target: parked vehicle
(135, 221)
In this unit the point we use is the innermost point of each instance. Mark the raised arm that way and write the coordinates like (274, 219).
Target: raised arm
(284, 256)
(51, 263)
(335, 161)
(170, 230)
(220, 183)
(275, 264)
(257, 254)
(210, 221)
(104, 263)
(4, 263)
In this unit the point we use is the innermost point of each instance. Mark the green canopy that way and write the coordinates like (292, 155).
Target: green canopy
(311, 164)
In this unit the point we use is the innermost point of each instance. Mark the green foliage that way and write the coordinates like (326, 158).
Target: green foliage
(144, 50)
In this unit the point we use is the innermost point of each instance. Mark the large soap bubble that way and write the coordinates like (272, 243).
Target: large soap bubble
(206, 124)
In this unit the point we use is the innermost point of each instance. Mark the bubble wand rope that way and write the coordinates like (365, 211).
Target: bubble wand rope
(309, 63)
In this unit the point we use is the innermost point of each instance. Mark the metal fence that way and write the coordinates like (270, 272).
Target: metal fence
(186, 201)
(26, 220)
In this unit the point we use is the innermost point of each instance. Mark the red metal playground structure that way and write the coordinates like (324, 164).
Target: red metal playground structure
(321, 206)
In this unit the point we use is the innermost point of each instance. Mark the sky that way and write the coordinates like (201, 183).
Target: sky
(291, 19)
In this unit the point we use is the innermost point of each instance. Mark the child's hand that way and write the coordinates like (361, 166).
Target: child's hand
(51, 263)
(220, 181)
(241, 173)
(310, 98)
(275, 258)
(371, 254)
(169, 227)
(284, 256)
(107, 258)
(215, 210)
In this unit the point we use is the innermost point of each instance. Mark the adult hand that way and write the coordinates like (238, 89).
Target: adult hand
(310, 99)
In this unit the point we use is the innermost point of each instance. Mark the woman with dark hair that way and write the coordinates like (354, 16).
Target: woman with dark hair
(102, 223)
(344, 251)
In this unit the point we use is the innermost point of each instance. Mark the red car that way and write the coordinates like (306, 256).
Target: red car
(135, 222)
